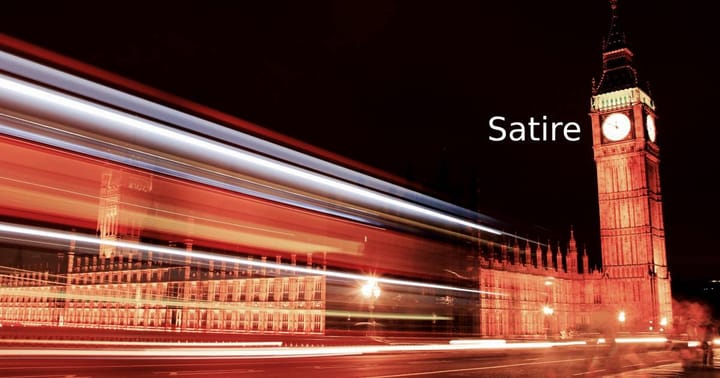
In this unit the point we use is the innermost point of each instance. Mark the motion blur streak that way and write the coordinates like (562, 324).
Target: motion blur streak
(281, 351)
(87, 89)
(627, 340)
(17, 229)
(124, 297)
(51, 99)
(193, 352)
(495, 342)
(228, 344)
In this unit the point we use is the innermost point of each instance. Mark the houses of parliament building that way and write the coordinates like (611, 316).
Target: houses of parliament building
(146, 249)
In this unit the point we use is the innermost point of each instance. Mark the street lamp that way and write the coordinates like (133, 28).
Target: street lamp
(621, 318)
(371, 291)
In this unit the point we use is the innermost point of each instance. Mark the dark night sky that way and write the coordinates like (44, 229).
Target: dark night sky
(408, 87)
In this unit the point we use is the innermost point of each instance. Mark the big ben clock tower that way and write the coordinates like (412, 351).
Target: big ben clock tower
(637, 281)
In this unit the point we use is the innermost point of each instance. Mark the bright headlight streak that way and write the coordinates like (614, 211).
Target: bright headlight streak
(5, 227)
(145, 126)
(174, 344)
(628, 340)
(494, 342)
(278, 352)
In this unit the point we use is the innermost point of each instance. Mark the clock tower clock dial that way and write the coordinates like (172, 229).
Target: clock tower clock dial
(650, 124)
(632, 232)
(616, 127)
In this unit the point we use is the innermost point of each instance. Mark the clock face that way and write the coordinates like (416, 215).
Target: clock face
(650, 124)
(616, 126)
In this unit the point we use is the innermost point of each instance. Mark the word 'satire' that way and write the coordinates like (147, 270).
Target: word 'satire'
(532, 131)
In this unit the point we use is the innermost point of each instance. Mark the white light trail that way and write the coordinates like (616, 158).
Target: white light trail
(174, 344)
(628, 340)
(190, 140)
(495, 342)
(83, 88)
(31, 231)
(280, 352)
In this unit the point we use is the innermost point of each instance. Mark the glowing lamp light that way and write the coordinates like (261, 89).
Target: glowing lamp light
(621, 317)
(370, 289)
(547, 310)
(663, 321)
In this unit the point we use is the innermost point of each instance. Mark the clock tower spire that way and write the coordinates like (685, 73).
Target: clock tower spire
(627, 159)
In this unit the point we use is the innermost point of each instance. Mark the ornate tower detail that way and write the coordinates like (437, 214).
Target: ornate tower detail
(558, 260)
(627, 161)
(119, 216)
(528, 254)
(571, 259)
(108, 212)
(503, 253)
(548, 256)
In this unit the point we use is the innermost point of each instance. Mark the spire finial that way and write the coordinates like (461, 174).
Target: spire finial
(616, 37)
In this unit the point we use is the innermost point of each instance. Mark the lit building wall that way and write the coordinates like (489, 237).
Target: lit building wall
(130, 294)
(523, 294)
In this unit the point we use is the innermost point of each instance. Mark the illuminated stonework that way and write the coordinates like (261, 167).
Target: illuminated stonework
(632, 235)
(117, 293)
(110, 225)
(540, 296)
(621, 99)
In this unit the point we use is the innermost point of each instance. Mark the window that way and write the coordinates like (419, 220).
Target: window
(271, 290)
(301, 290)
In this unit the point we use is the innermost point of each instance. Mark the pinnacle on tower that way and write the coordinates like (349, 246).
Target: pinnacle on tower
(618, 71)
(585, 263)
(548, 255)
(528, 253)
(616, 36)
(558, 258)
